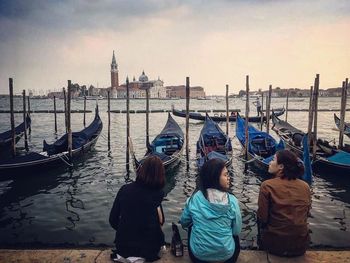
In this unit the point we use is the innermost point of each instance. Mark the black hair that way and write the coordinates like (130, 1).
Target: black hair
(209, 176)
(293, 167)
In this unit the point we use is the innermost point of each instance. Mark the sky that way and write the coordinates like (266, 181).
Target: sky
(214, 42)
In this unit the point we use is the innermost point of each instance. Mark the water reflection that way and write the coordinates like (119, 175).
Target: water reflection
(72, 202)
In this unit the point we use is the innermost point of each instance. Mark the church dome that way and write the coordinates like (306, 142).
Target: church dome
(143, 77)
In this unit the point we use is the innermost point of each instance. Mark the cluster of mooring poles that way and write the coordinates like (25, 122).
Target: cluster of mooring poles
(312, 114)
(12, 119)
(311, 130)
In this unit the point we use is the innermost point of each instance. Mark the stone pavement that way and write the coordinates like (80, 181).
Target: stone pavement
(103, 255)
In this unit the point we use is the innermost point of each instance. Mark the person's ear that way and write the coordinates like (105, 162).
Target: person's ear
(280, 167)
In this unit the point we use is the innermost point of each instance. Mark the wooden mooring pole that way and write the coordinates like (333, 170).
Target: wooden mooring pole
(25, 121)
(316, 89)
(84, 120)
(70, 142)
(13, 133)
(262, 111)
(268, 108)
(187, 119)
(227, 114)
(342, 112)
(55, 113)
(65, 108)
(246, 148)
(127, 125)
(30, 127)
(311, 116)
(147, 117)
(109, 119)
(287, 105)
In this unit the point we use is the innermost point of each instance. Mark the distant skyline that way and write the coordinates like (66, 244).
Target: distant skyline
(282, 43)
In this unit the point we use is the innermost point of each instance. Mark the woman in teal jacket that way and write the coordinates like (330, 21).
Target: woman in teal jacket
(213, 217)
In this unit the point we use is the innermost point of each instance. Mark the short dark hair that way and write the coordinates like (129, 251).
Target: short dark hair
(209, 176)
(151, 173)
(293, 167)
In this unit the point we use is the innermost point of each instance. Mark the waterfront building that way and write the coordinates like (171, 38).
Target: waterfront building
(137, 88)
(180, 92)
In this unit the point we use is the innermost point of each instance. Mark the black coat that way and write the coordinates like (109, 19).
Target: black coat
(135, 218)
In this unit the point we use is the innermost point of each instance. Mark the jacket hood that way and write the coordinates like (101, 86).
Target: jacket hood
(211, 210)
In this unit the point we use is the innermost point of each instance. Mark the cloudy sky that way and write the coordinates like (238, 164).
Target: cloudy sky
(278, 42)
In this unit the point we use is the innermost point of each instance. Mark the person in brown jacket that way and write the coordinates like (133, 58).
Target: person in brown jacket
(283, 207)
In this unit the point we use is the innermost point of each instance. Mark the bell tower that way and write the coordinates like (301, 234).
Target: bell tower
(114, 73)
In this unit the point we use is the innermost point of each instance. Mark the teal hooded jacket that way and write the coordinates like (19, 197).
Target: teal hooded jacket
(213, 226)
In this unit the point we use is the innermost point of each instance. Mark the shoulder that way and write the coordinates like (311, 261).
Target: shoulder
(233, 200)
(195, 197)
(268, 183)
(303, 185)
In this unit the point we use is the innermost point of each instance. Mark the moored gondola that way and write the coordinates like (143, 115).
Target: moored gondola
(261, 145)
(6, 137)
(55, 154)
(328, 159)
(199, 117)
(346, 125)
(167, 145)
(213, 143)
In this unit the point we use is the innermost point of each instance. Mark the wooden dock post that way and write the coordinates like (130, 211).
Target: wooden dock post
(262, 111)
(187, 119)
(147, 117)
(311, 116)
(127, 125)
(268, 108)
(30, 127)
(246, 148)
(316, 88)
(84, 120)
(109, 118)
(342, 112)
(13, 133)
(227, 114)
(287, 105)
(25, 121)
(65, 109)
(55, 113)
(70, 139)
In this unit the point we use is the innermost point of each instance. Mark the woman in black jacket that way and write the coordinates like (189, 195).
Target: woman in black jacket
(137, 214)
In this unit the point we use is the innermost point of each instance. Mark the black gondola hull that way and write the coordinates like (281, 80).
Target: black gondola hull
(40, 166)
(200, 117)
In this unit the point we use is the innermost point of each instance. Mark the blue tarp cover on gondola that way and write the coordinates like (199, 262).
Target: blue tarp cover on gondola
(213, 143)
(78, 138)
(340, 157)
(212, 155)
(170, 137)
(260, 142)
(18, 130)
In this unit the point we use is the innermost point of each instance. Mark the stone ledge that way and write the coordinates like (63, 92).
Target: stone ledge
(103, 255)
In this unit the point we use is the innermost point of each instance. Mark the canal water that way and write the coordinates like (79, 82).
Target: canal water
(65, 207)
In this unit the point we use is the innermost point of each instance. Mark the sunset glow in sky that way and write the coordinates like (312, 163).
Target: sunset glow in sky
(283, 43)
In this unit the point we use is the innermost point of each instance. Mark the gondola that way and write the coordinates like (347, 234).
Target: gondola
(6, 137)
(55, 154)
(328, 159)
(261, 147)
(346, 125)
(213, 143)
(200, 117)
(167, 145)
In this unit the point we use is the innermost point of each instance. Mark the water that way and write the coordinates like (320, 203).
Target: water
(71, 208)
